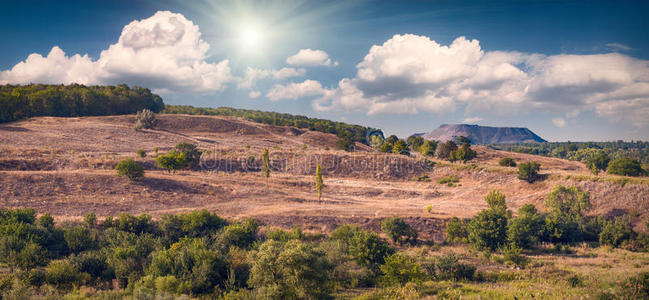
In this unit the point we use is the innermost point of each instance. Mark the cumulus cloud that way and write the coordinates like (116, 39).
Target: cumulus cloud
(254, 94)
(472, 120)
(294, 90)
(410, 73)
(164, 51)
(253, 75)
(559, 122)
(311, 58)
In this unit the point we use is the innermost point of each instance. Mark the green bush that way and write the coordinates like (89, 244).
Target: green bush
(625, 166)
(636, 287)
(292, 270)
(400, 269)
(615, 233)
(463, 154)
(512, 254)
(456, 230)
(448, 267)
(598, 162)
(172, 161)
(399, 231)
(368, 250)
(488, 230)
(507, 162)
(141, 153)
(92, 263)
(444, 150)
(428, 148)
(401, 147)
(62, 274)
(191, 154)
(527, 228)
(130, 168)
(529, 171)
(80, 239)
(496, 201)
(240, 234)
(450, 179)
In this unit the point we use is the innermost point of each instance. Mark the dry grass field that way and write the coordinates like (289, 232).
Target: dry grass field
(65, 166)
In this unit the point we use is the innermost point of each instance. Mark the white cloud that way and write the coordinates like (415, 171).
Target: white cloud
(618, 46)
(253, 75)
(409, 74)
(254, 94)
(311, 58)
(559, 122)
(472, 120)
(294, 90)
(164, 51)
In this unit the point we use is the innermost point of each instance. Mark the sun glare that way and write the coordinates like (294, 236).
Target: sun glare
(250, 37)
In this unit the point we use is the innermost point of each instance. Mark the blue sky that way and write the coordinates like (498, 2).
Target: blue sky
(568, 70)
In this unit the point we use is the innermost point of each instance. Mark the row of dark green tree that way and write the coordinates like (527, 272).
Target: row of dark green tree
(582, 151)
(448, 150)
(75, 100)
(354, 133)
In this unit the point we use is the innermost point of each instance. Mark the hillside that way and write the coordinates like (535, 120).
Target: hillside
(65, 166)
(483, 134)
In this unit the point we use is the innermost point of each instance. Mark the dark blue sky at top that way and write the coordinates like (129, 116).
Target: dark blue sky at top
(346, 30)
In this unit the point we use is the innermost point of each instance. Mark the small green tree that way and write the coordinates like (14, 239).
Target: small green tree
(145, 119)
(463, 154)
(529, 171)
(415, 142)
(141, 153)
(400, 147)
(598, 162)
(444, 149)
(427, 148)
(368, 250)
(456, 230)
(496, 200)
(319, 184)
(345, 141)
(462, 140)
(191, 153)
(488, 229)
(265, 165)
(571, 201)
(400, 269)
(507, 162)
(625, 166)
(614, 233)
(130, 168)
(172, 161)
(90, 219)
(527, 228)
(399, 231)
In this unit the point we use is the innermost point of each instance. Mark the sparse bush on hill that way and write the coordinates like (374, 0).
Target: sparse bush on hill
(191, 153)
(444, 149)
(463, 154)
(529, 171)
(172, 161)
(399, 231)
(456, 231)
(598, 162)
(400, 147)
(145, 119)
(448, 267)
(400, 269)
(507, 162)
(617, 232)
(415, 142)
(449, 179)
(428, 148)
(141, 153)
(625, 166)
(130, 168)
(345, 141)
(462, 140)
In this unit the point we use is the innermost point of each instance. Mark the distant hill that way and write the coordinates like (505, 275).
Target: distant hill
(483, 134)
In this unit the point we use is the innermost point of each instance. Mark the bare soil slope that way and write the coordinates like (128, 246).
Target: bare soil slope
(64, 166)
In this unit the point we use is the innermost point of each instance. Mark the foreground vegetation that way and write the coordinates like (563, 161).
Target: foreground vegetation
(559, 253)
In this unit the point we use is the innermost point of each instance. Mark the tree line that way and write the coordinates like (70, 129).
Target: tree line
(75, 100)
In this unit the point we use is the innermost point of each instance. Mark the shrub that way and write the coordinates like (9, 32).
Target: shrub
(570, 200)
(145, 119)
(293, 270)
(625, 166)
(415, 142)
(92, 263)
(80, 239)
(488, 230)
(450, 179)
(448, 267)
(421, 178)
(345, 141)
(285, 236)
(61, 274)
(527, 229)
(399, 231)
(368, 250)
(598, 162)
(636, 287)
(241, 235)
(400, 147)
(615, 233)
(90, 219)
(463, 154)
(141, 153)
(512, 254)
(172, 161)
(191, 153)
(130, 168)
(456, 230)
(444, 149)
(428, 148)
(507, 162)
(529, 171)
(319, 184)
(496, 201)
(134, 224)
(400, 269)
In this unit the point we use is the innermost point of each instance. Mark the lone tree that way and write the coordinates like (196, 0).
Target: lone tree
(318, 181)
(507, 162)
(444, 149)
(265, 165)
(130, 168)
(463, 154)
(598, 162)
(145, 119)
(625, 166)
(399, 231)
(172, 161)
(529, 171)
(191, 152)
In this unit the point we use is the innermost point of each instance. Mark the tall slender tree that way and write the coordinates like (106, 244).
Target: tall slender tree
(318, 181)
(265, 165)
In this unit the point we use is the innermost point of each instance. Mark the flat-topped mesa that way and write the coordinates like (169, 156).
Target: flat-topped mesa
(483, 134)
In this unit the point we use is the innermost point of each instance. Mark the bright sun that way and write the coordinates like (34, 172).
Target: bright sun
(250, 37)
